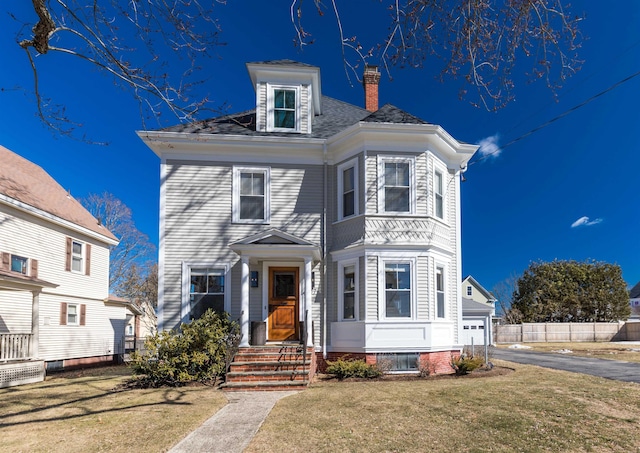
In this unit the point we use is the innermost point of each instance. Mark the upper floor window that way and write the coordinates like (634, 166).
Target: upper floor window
(78, 256)
(397, 289)
(469, 290)
(283, 108)
(348, 287)
(19, 264)
(251, 195)
(348, 189)
(438, 195)
(440, 311)
(397, 185)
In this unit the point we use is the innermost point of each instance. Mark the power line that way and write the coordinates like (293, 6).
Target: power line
(562, 115)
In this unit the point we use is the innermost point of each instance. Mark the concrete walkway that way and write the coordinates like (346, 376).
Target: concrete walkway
(610, 369)
(231, 429)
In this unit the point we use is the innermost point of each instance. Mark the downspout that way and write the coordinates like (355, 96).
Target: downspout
(323, 245)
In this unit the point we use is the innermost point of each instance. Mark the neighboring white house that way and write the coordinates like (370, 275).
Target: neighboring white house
(634, 301)
(54, 278)
(478, 310)
(328, 224)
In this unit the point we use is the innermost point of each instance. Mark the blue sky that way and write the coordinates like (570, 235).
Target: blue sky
(567, 191)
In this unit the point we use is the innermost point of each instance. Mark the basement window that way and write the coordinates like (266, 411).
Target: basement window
(399, 362)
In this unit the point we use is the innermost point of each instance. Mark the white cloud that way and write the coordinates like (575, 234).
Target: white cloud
(489, 146)
(584, 221)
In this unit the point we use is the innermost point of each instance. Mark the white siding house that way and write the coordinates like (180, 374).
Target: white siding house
(328, 224)
(54, 277)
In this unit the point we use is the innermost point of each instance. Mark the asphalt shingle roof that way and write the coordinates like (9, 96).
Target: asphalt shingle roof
(28, 183)
(336, 116)
(635, 292)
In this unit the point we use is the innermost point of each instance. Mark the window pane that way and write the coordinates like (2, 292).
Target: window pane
(198, 283)
(201, 302)
(290, 99)
(402, 174)
(348, 179)
(439, 208)
(285, 119)
(252, 184)
(349, 278)
(398, 304)
(279, 98)
(390, 174)
(349, 306)
(348, 204)
(284, 284)
(440, 305)
(215, 284)
(76, 264)
(18, 264)
(396, 199)
(77, 248)
(252, 207)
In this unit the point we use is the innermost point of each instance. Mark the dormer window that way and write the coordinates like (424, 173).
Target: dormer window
(284, 109)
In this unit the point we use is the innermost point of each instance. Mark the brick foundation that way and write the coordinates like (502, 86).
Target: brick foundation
(432, 362)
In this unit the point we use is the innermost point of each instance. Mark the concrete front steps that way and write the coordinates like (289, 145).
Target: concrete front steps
(270, 368)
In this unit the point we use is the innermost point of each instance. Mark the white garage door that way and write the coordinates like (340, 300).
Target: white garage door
(473, 331)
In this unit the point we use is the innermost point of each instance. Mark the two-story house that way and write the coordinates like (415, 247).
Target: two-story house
(321, 222)
(55, 308)
(478, 311)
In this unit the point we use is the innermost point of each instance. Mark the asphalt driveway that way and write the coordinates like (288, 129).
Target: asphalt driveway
(610, 369)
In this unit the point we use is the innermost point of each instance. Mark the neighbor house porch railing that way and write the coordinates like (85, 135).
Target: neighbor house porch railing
(15, 346)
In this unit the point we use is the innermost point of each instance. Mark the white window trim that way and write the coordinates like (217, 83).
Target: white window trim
(271, 107)
(442, 267)
(77, 321)
(356, 188)
(185, 308)
(445, 184)
(412, 183)
(83, 258)
(382, 304)
(356, 293)
(235, 208)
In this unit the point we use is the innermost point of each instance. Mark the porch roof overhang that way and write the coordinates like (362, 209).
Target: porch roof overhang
(274, 243)
(18, 282)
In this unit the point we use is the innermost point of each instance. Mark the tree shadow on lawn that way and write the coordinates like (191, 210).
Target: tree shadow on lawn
(82, 406)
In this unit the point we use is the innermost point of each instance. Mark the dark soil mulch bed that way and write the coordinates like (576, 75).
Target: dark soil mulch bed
(479, 373)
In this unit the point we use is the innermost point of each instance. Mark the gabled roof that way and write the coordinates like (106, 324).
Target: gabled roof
(275, 243)
(471, 307)
(635, 292)
(480, 288)
(391, 114)
(27, 183)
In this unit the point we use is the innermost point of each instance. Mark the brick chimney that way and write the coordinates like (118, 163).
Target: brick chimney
(370, 81)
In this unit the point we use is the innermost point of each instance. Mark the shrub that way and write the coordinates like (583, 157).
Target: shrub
(200, 352)
(426, 367)
(465, 364)
(353, 368)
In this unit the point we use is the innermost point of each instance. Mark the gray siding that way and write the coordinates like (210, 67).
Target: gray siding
(198, 223)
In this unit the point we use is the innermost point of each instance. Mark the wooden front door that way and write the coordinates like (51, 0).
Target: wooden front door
(283, 303)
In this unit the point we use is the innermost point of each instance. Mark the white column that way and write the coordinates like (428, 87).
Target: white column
(244, 314)
(307, 302)
(35, 325)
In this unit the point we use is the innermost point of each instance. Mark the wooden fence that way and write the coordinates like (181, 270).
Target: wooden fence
(566, 332)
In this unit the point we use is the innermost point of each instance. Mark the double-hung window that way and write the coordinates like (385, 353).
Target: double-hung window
(396, 190)
(348, 189)
(397, 289)
(438, 195)
(251, 195)
(19, 264)
(348, 287)
(284, 108)
(76, 256)
(206, 290)
(440, 309)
